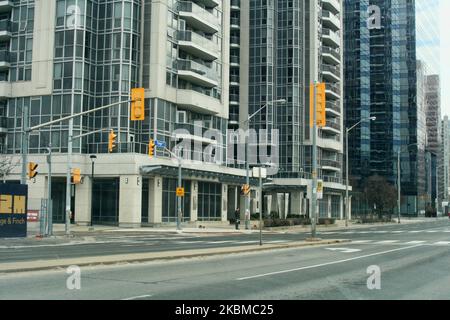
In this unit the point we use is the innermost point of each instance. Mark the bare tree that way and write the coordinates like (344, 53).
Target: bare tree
(7, 165)
(382, 194)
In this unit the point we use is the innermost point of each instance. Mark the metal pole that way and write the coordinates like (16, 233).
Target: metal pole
(69, 177)
(398, 185)
(247, 175)
(260, 206)
(25, 133)
(92, 191)
(180, 213)
(49, 205)
(347, 205)
(314, 170)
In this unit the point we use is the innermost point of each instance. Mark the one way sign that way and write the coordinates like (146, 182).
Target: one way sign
(344, 250)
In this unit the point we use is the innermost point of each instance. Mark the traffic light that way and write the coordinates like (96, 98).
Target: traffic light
(111, 141)
(76, 176)
(151, 148)
(245, 189)
(137, 104)
(320, 105)
(32, 173)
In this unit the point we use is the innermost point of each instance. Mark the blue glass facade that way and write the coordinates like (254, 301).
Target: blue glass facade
(380, 80)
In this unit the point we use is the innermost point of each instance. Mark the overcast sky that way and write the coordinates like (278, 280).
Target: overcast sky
(445, 56)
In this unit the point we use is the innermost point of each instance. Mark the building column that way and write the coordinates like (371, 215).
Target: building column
(83, 202)
(296, 202)
(130, 201)
(155, 200)
(224, 202)
(329, 207)
(37, 190)
(350, 208)
(194, 201)
(341, 207)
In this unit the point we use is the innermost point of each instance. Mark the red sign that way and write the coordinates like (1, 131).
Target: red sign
(33, 215)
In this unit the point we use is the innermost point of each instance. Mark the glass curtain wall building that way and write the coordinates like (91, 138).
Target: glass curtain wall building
(381, 80)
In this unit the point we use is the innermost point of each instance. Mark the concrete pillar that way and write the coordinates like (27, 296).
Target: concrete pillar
(155, 200)
(296, 202)
(329, 207)
(341, 207)
(224, 202)
(83, 202)
(130, 201)
(350, 208)
(194, 201)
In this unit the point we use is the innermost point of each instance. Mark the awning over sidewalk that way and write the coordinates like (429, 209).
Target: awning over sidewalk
(172, 172)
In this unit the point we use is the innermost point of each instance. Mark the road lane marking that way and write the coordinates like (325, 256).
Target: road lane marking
(415, 242)
(362, 241)
(432, 231)
(344, 250)
(416, 231)
(139, 297)
(386, 241)
(277, 241)
(398, 231)
(439, 243)
(327, 263)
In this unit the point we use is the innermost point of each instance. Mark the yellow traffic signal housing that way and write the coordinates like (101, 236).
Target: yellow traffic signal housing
(320, 105)
(111, 141)
(151, 148)
(76, 176)
(32, 173)
(137, 104)
(246, 189)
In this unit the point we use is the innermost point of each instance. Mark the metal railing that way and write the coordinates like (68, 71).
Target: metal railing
(192, 7)
(190, 65)
(333, 69)
(197, 39)
(328, 50)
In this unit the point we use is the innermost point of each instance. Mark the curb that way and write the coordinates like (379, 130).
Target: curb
(15, 267)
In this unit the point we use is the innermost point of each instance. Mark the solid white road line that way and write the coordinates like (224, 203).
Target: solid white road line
(442, 243)
(138, 297)
(362, 241)
(386, 241)
(415, 242)
(327, 263)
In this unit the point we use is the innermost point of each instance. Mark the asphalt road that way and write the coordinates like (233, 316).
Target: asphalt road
(132, 242)
(413, 259)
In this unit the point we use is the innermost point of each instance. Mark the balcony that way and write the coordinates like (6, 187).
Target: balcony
(333, 91)
(234, 99)
(5, 30)
(234, 61)
(235, 22)
(331, 38)
(330, 20)
(197, 73)
(330, 55)
(3, 124)
(333, 108)
(331, 5)
(198, 18)
(198, 102)
(331, 165)
(197, 45)
(4, 60)
(235, 41)
(235, 4)
(6, 6)
(331, 73)
(332, 126)
(210, 3)
(234, 80)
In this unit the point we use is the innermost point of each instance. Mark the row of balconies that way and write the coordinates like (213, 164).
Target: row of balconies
(197, 73)
(331, 38)
(198, 45)
(197, 17)
(331, 20)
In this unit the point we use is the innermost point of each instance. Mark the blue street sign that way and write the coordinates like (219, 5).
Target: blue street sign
(160, 144)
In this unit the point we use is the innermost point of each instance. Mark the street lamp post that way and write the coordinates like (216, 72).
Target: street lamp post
(93, 158)
(347, 130)
(247, 162)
